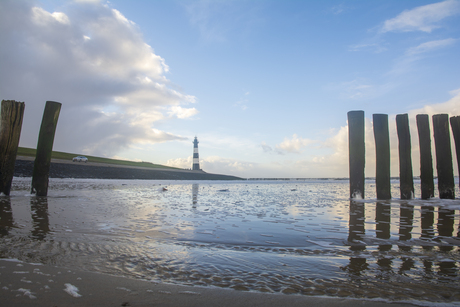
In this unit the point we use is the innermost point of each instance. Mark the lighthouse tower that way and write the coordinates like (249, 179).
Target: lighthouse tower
(196, 160)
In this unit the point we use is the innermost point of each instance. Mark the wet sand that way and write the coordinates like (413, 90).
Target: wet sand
(24, 284)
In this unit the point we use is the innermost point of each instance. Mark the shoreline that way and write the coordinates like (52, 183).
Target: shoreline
(25, 284)
(92, 170)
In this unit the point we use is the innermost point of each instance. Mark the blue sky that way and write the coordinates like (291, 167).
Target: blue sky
(264, 85)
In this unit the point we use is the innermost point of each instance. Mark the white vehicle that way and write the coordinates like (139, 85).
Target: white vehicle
(80, 159)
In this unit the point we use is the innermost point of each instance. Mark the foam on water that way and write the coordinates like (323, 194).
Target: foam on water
(304, 237)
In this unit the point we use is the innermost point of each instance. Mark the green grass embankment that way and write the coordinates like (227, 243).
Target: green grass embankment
(30, 152)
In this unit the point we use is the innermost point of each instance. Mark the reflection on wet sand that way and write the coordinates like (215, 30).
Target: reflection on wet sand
(6, 216)
(267, 237)
(40, 217)
(382, 226)
(195, 188)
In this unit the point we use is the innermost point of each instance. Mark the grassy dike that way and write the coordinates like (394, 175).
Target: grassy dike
(30, 152)
(104, 168)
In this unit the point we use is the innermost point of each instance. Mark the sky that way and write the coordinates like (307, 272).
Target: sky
(264, 85)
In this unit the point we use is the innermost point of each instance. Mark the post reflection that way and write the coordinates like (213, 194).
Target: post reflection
(383, 220)
(195, 188)
(445, 225)
(6, 216)
(40, 217)
(356, 233)
(427, 225)
(406, 220)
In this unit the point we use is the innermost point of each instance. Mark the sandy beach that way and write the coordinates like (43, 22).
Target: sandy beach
(96, 242)
(24, 284)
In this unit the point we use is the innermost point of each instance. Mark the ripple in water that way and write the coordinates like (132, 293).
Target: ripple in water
(293, 237)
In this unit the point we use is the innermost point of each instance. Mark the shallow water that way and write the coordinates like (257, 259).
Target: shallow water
(302, 237)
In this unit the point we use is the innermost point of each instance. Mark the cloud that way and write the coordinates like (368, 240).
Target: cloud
(375, 47)
(181, 112)
(334, 163)
(266, 148)
(94, 61)
(429, 46)
(424, 18)
(356, 89)
(294, 144)
(217, 21)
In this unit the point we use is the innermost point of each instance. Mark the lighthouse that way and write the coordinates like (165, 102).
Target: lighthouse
(196, 160)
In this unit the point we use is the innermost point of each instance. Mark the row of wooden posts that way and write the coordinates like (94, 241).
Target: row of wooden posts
(12, 113)
(444, 164)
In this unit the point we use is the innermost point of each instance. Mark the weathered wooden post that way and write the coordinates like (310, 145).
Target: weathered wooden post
(382, 153)
(455, 124)
(446, 185)
(426, 160)
(406, 180)
(12, 113)
(40, 175)
(356, 152)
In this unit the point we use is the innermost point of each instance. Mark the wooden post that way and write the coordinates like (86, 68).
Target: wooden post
(426, 160)
(356, 152)
(12, 113)
(382, 153)
(40, 175)
(406, 180)
(455, 124)
(446, 185)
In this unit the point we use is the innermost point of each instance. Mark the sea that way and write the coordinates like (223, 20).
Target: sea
(291, 236)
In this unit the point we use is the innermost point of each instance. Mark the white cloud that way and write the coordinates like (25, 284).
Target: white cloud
(431, 45)
(424, 18)
(355, 89)
(375, 47)
(294, 144)
(95, 62)
(181, 112)
(335, 163)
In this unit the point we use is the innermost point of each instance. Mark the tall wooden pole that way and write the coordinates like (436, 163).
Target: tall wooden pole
(406, 180)
(12, 113)
(446, 185)
(356, 152)
(40, 175)
(382, 153)
(455, 124)
(426, 160)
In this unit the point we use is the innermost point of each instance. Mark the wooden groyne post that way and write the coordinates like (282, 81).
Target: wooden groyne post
(40, 175)
(455, 124)
(356, 153)
(446, 185)
(406, 180)
(426, 160)
(382, 152)
(12, 113)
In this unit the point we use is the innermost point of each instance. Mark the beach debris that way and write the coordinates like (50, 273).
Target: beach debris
(125, 304)
(223, 190)
(72, 290)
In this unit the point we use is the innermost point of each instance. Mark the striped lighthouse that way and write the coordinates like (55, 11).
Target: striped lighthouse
(196, 159)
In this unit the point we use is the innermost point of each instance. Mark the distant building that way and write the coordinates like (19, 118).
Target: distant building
(196, 160)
